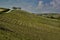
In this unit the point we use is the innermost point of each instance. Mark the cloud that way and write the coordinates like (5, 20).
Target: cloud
(53, 6)
(40, 4)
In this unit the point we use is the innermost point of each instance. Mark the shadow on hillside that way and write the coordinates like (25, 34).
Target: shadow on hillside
(5, 29)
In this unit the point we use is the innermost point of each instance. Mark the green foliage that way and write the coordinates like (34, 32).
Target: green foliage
(16, 8)
(22, 25)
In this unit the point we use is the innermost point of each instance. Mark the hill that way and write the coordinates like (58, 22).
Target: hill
(50, 15)
(22, 25)
(3, 10)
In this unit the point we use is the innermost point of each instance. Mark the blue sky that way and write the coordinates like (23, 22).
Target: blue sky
(37, 6)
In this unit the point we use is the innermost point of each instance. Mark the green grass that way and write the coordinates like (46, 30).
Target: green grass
(22, 25)
(51, 15)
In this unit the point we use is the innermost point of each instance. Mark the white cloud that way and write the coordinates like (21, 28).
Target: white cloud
(40, 4)
(53, 6)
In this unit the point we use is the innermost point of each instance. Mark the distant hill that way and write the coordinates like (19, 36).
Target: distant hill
(22, 25)
(50, 15)
(4, 10)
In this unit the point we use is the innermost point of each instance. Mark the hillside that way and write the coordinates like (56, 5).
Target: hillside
(22, 25)
(2, 10)
(50, 15)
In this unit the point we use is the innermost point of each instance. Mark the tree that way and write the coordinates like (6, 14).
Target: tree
(16, 8)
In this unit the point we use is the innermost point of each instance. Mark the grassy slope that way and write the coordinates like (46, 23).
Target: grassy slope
(51, 15)
(21, 25)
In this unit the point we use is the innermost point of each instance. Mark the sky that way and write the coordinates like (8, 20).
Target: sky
(35, 6)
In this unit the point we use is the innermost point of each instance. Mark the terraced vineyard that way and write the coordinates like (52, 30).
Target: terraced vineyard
(21, 25)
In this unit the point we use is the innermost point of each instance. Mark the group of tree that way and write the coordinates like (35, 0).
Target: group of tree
(16, 8)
